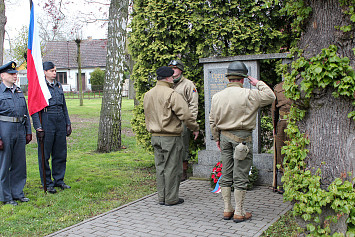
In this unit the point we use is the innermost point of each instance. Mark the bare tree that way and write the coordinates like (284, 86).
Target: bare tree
(78, 42)
(2, 29)
(109, 137)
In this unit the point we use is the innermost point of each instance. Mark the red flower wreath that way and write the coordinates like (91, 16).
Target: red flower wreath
(216, 173)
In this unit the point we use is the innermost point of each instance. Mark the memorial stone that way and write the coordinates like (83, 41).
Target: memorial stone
(215, 80)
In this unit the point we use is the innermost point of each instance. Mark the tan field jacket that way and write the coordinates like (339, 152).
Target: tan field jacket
(235, 108)
(165, 110)
(187, 90)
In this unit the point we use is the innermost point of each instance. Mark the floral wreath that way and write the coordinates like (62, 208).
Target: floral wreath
(217, 173)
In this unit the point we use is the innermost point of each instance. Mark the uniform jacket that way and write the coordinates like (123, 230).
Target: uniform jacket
(187, 90)
(14, 105)
(57, 99)
(281, 103)
(235, 108)
(165, 109)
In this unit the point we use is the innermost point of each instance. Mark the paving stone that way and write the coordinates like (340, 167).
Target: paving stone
(200, 215)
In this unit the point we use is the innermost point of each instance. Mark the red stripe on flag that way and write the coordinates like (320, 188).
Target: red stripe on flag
(36, 100)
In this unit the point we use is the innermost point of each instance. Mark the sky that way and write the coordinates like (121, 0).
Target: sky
(18, 15)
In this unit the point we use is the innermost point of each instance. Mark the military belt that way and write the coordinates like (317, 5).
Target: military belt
(236, 138)
(54, 108)
(13, 119)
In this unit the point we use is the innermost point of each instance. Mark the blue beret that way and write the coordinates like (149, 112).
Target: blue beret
(165, 71)
(48, 66)
(9, 67)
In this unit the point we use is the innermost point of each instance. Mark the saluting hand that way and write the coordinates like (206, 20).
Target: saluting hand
(1, 145)
(252, 80)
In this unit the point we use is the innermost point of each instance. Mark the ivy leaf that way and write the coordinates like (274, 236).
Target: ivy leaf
(318, 70)
(311, 227)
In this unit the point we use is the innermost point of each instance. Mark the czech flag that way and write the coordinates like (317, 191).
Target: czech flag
(217, 189)
(38, 93)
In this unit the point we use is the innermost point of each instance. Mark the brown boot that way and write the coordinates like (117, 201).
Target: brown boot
(185, 165)
(240, 214)
(228, 209)
(228, 215)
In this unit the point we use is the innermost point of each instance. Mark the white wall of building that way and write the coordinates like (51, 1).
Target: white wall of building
(72, 78)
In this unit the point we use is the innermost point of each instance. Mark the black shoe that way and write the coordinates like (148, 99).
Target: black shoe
(161, 203)
(22, 199)
(51, 189)
(280, 190)
(176, 203)
(11, 202)
(63, 186)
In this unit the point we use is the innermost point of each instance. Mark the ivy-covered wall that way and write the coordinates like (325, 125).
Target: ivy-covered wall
(189, 30)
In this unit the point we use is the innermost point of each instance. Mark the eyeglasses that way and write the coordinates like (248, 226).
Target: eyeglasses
(173, 62)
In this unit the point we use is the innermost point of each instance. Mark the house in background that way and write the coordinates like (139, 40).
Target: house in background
(64, 55)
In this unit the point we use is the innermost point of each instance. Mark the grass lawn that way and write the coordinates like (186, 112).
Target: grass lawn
(100, 182)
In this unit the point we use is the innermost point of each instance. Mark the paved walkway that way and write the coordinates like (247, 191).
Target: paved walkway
(200, 215)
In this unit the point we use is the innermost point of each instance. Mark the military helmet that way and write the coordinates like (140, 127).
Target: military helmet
(237, 68)
(177, 63)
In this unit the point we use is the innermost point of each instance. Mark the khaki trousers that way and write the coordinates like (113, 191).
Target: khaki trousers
(168, 164)
(185, 136)
(235, 172)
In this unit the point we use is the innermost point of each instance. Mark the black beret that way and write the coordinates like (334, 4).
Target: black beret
(48, 66)
(9, 67)
(165, 71)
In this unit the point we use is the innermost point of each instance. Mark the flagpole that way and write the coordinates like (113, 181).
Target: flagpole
(41, 143)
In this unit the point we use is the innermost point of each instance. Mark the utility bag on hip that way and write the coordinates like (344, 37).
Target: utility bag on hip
(241, 150)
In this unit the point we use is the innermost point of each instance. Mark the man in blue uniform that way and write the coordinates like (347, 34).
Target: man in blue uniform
(53, 125)
(15, 133)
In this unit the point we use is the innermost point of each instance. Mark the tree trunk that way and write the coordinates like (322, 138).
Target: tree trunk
(2, 29)
(109, 138)
(78, 42)
(330, 131)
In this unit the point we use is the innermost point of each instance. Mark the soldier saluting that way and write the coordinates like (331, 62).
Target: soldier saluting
(15, 133)
(232, 120)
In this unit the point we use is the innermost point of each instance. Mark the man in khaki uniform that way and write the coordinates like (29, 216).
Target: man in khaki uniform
(280, 108)
(165, 110)
(232, 119)
(187, 90)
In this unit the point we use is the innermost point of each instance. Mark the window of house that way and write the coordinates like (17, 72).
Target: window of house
(62, 77)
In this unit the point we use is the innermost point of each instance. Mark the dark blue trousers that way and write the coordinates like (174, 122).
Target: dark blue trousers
(12, 161)
(55, 146)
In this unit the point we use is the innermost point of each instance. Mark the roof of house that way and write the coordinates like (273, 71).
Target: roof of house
(64, 53)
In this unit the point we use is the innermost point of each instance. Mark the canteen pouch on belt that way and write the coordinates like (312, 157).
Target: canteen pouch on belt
(241, 151)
